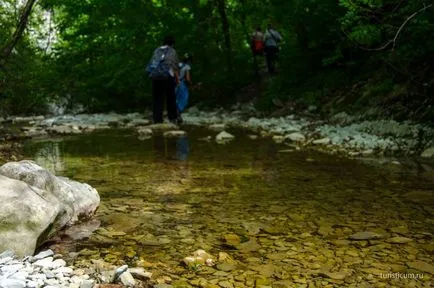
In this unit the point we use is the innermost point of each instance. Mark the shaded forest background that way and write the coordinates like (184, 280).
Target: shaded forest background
(337, 55)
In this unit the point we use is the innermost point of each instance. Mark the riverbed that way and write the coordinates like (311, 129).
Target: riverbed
(282, 217)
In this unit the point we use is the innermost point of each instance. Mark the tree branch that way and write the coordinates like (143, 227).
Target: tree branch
(7, 49)
(406, 21)
(393, 41)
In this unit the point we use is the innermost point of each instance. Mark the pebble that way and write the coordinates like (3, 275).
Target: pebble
(366, 235)
(39, 271)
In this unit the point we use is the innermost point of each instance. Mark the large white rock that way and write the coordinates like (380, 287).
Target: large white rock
(35, 203)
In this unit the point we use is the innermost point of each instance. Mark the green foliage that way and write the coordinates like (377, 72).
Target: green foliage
(103, 46)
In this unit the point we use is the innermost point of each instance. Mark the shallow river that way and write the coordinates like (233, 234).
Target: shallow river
(283, 217)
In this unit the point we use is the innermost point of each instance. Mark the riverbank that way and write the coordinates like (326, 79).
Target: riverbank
(342, 134)
(49, 270)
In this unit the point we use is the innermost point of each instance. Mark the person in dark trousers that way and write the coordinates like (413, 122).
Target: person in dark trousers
(165, 78)
(272, 39)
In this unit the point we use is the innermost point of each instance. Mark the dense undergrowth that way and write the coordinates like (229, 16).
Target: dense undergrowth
(356, 56)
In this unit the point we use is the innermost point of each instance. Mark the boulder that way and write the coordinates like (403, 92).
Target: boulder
(34, 204)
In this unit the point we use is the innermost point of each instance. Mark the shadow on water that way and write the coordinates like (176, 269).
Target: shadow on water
(291, 211)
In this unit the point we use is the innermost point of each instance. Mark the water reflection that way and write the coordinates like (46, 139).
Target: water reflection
(171, 148)
(50, 157)
(182, 148)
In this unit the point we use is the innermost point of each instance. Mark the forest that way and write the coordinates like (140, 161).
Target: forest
(346, 54)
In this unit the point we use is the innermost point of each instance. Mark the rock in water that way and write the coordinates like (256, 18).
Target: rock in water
(323, 141)
(366, 235)
(399, 240)
(224, 137)
(217, 127)
(174, 133)
(144, 131)
(421, 266)
(296, 137)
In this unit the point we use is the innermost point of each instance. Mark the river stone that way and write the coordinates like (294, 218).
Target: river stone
(334, 275)
(296, 137)
(140, 273)
(266, 270)
(249, 246)
(223, 137)
(399, 240)
(400, 230)
(323, 141)
(138, 122)
(144, 131)
(7, 254)
(174, 133)
(226, 284)
(87, 284)
(232, 239)
(226, 267)
(42, 255)
(44, 263)
(421, 266)
(12, 283)
(217, 127)
(428, 153)
(278, 139)
(127, 279)
(366, 235)
(163, 126)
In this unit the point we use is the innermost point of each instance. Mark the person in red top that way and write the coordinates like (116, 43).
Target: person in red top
(257, 45)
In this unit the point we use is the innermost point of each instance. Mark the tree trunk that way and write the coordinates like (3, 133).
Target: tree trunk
(7, 49)
(221, 4)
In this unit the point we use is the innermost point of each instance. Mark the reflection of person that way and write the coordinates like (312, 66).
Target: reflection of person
(272, 39)
(182, 148)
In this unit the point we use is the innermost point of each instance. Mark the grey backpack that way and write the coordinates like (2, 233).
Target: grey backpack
(158, 67)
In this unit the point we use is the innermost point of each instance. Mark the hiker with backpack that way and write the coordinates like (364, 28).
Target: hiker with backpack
(182, 92)
(257, 45)
(272, 39)
(164, 72)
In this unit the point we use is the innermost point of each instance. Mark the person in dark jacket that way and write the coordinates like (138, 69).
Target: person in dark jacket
(272, 39)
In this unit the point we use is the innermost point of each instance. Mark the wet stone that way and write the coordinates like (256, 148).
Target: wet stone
(227, 267)
(421, 266)
(366, 236)
(399, 240)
